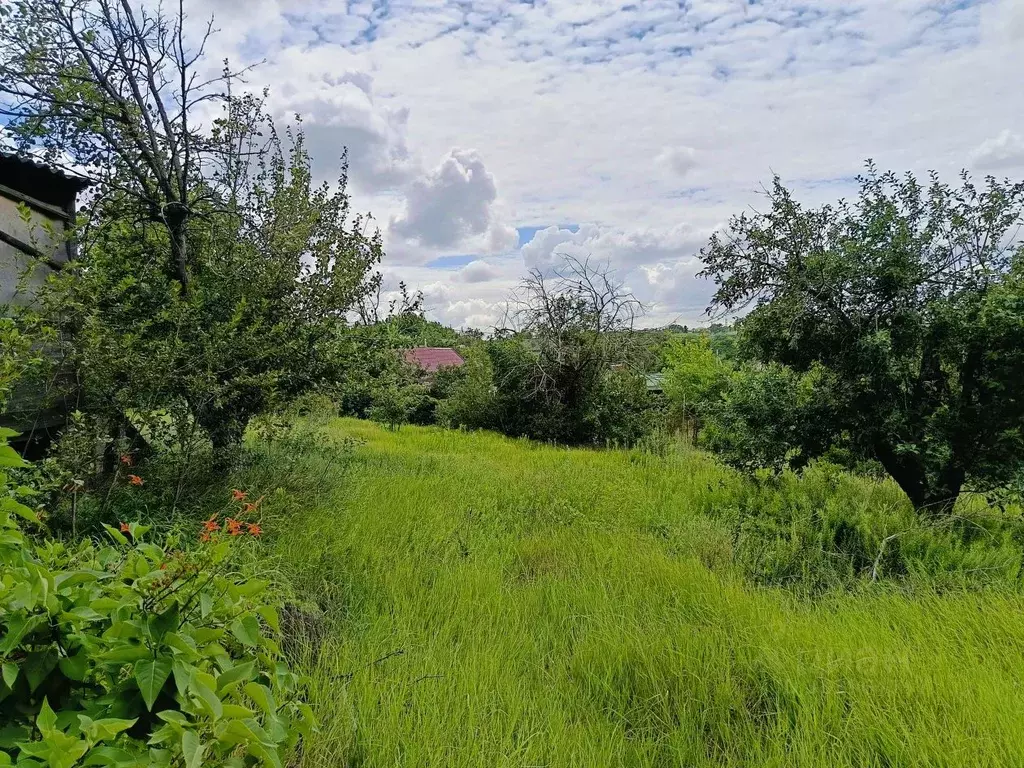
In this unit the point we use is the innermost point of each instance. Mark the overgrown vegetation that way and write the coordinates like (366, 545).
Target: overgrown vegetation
(489, 599)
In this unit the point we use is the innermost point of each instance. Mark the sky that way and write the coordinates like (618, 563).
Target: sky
(490, 137)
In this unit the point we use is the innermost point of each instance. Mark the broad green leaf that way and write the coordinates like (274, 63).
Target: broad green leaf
(172, 716)
(75, 667)
(10, 672)
(202, 685)
(235, 675)
(46, 720)
(237, 711)
(269, 615)
(17, 628)
(261, 695)
(150, 676)
(115, 534)
(192, 749)
(11, 506)
(10, 457)
(247, 630)
(126, 654)
(265, 752)
(38, 665)
(182, 674)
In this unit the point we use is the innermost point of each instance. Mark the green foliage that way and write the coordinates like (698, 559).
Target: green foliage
(906, 309)
(593, 608)
(695, 379)
(137, 654)
(391, 407)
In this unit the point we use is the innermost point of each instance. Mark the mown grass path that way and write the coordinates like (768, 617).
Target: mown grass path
(534, 606)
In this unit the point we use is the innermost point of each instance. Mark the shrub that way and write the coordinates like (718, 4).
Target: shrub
(136, 653)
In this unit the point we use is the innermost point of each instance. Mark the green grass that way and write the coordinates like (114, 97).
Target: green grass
(489, 602)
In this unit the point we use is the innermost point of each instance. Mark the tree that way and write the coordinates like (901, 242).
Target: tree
(98, 84)
(695, 379)
(907, 306)
(214, 274)
(577, 324)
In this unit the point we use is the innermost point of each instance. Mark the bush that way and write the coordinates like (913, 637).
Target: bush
(136, 653)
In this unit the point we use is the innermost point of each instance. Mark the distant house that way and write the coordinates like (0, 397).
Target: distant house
(432, 359)
(37, 205)
(655, 383)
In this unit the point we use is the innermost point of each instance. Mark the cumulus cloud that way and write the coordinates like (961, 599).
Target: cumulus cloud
(590, 112)
(999, 153)
(452, 203)
(680, 160)
(340, 111)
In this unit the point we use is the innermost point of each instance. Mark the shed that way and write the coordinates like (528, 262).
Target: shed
(432, 359)
(37, 206)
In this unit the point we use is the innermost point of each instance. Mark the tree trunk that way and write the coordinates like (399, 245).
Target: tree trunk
(935, 499)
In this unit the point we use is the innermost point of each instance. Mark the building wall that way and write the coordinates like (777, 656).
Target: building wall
(21, 274)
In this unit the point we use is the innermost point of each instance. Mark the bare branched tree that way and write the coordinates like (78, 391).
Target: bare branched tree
(578, 319)
(114, 89)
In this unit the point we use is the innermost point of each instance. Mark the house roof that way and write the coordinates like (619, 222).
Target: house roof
(43, 182)
(432, 359)
(655, 382)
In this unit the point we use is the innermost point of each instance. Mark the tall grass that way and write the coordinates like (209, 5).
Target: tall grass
(470, 600)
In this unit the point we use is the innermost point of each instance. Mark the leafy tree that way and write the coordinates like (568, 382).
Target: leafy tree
(695, 379)
(215, 275)
(907, 305)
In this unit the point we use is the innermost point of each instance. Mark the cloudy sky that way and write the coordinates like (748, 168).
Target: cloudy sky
(488, 137)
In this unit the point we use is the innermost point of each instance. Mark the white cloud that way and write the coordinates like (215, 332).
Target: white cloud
(654, 121)
(1003, 152)
(453, 203)
(680, 160)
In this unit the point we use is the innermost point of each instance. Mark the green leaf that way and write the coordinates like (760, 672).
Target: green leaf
(182, 675)
(163, 623)
(269, 614)
(202, 685)
(192, 749)
(75, 667)
(17, 628)
(38, 665)
(235, 675)
(261, 695)
(10, 672)
(10, 457)
(150, 676)
(247, 630)
(46, 720)
(11, 506)
(115, 534)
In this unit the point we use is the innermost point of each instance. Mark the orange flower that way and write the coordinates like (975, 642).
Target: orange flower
(163, 566)
(254, 529)
(135, 480)
(126, 459)
(204, 537)
(125, 528)
(238, 495)
(211, 525)
(252, 506)
(234, 527)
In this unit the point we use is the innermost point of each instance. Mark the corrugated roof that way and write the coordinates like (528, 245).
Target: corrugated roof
(432, 359)
(34, 177)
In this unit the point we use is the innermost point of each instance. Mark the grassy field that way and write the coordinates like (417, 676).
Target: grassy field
(488, 602)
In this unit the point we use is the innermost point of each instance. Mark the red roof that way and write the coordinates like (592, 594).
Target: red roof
(431, 359)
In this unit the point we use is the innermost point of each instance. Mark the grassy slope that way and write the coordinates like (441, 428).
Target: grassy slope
(555, 608)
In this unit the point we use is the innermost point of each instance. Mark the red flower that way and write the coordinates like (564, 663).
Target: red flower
(238, 495)
(125, 528)
(163, 566)
(204, 537)
(211, 525)
(254, 529)
(234, 527)
(135, 480)
(126, 459)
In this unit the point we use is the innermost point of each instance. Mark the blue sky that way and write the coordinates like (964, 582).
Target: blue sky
(478, 131)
